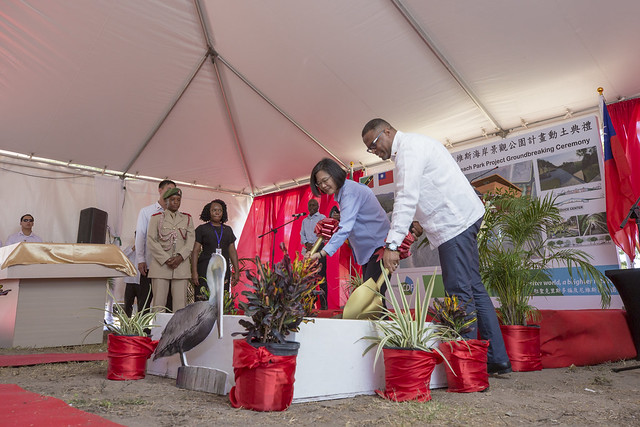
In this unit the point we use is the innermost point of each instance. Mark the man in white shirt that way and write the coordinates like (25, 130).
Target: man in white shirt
(143, 256)
(308, 238)
(26, 232)
(432, 189)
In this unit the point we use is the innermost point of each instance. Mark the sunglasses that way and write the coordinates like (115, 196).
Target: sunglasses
(27, 220)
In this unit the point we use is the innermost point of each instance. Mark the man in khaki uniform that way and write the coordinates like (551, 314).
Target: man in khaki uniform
(170, 240)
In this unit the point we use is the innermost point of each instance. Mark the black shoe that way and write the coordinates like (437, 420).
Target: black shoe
(499, 368)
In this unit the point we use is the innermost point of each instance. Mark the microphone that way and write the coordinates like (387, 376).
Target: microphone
(298, 215)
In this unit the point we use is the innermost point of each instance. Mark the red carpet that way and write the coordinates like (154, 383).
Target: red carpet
(23, 408)
(37, 359)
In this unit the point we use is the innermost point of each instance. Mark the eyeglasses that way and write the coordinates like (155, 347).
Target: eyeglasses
(373, 145)
(27, 220)
(323, 181)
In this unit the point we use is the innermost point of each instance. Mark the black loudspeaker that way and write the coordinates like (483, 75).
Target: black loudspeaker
(627, 283)
(93, 226)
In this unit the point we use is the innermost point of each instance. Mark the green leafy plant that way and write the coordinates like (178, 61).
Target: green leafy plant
(353, 282)
(404, 329)
(230, 297)
(138, 324)
(514, 253)
(279, 298)
(453, 315)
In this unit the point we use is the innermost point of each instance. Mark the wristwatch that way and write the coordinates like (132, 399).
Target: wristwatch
(391, 246)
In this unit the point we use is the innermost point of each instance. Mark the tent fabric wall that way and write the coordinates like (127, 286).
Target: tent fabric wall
(56, 197)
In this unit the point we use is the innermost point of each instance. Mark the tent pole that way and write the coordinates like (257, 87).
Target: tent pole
(279, 110)
(156, 128)
(447, 65)
(232, 123)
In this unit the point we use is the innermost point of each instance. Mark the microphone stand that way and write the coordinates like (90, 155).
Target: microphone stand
(275, 232)
(634, 213)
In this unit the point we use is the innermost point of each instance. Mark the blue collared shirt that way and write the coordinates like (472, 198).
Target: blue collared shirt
(362, 221)
(308, 226)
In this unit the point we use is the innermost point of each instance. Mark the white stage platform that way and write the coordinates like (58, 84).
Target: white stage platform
(330, 364)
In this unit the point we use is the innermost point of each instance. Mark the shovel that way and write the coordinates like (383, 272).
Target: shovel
(366, 302)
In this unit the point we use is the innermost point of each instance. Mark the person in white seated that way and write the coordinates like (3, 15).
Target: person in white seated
(26, 232)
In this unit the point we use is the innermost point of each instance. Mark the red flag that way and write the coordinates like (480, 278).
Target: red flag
(619, 188)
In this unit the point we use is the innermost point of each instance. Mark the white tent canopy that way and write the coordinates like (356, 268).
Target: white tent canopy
(246, 96)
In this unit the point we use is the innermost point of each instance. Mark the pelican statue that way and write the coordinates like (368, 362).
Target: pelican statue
(190, 325)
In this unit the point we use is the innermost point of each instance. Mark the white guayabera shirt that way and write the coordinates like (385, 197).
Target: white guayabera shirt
(431, 188)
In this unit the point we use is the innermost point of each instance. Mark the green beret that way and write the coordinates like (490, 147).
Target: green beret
(172, 191)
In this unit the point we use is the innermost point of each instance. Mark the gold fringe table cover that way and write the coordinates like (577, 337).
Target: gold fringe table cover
(69, 253)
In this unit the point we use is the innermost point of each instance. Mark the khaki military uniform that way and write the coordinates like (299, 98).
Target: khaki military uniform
(170, 234)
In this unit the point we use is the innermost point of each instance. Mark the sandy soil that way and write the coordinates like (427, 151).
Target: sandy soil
(568, 396)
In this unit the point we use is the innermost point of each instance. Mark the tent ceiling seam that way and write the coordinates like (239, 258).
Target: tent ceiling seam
(203, 23)
(279, 110)
(159, 124)
(447, 65)
(232, 123)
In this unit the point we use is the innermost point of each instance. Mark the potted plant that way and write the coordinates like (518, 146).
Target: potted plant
(407, 341)
(467, 368)
(264, 362)
(515, 253)
(128, 343)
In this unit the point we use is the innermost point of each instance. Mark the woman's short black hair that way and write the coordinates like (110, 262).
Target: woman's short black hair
(332, 168)
(206, 211)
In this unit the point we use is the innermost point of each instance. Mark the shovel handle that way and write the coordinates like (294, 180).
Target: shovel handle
(381, 279)
(316, 245)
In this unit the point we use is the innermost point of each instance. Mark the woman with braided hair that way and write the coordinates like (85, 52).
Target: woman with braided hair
(213, 237)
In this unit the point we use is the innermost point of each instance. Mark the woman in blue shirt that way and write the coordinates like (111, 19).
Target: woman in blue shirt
(362, 219)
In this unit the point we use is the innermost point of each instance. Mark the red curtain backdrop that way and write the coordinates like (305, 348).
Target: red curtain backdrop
(622, 170)
(276, 209)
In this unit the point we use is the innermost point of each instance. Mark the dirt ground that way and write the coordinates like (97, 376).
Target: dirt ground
(591, 395)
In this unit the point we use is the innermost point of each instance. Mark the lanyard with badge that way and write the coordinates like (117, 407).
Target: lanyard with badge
(219, 237)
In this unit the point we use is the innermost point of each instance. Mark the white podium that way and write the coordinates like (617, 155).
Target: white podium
(57, 292)
(330, 364)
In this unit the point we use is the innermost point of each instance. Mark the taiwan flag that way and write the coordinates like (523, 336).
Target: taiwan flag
(618, 186)
(385, 178)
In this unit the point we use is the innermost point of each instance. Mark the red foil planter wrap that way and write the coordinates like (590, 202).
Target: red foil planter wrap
(407, 374)
(326, 227)
(127, 356)
(468, 359)
(523, 347)
(264, 382)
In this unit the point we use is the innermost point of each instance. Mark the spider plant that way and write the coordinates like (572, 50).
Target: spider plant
(514, 253)
(402, 329)
(138, 324)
